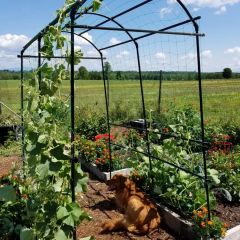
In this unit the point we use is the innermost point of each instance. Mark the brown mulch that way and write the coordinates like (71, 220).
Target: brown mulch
(6, 163)
(99, 203)
(229, 213)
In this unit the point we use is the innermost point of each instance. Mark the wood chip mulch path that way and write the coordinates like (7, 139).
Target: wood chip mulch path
(99, 203)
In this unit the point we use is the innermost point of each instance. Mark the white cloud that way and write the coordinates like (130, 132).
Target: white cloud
(235, 50)
(206, 54)
(218, 4)
(196, 9)
(80, 41)
(122, 54)
(12, 42)
(92, 53)
(165, 11)
(210, 3)
(104, 52)
(114, 41)
(221, 10)
(160, 55)
(189, 56)
(10, 47)
(9, 60)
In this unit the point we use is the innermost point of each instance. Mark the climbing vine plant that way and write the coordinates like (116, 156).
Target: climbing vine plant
(47, 168)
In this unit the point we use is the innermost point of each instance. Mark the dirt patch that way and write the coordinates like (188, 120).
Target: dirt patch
(98, 202)
(6, 163)
(229, 213)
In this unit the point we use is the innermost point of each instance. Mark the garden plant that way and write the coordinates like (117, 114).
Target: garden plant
(37, 203)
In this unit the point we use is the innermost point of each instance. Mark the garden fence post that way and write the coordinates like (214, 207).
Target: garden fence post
(160, 91)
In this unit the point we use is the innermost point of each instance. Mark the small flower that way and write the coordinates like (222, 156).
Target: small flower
(203, 225)
(25, 196)
(200, 214)
(223, 232)
(225, 225)
(204, 209)
(165, 130)
(210, 222)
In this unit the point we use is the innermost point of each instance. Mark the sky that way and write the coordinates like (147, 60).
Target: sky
(220, 19)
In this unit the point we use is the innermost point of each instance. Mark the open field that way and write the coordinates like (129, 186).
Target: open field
(221, 98)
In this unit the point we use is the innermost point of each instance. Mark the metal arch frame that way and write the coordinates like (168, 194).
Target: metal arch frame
(106, 92)
(199, 77)
(74, 15)
(141, 85)
(196, 27)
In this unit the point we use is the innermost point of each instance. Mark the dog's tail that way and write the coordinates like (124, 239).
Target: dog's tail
(113, 224)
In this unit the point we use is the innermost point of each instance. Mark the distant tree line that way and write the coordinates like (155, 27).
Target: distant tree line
(84, 74)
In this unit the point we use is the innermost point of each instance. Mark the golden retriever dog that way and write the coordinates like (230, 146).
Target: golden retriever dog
(140, 216)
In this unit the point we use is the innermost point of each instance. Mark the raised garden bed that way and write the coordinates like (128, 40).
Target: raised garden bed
(104, 176)
(233, 233)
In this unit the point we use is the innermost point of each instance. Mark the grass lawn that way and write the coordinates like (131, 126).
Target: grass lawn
(221, 98)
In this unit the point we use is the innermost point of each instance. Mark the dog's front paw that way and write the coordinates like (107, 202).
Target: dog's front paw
(107, 226)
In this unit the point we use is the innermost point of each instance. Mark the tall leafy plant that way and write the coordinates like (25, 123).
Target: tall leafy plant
(47, 145)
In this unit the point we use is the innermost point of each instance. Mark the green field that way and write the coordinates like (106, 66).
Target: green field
(221, 98)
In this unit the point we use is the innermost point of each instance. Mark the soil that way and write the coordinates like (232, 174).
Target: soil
(99, 203)
(6, 163)
(229, 213)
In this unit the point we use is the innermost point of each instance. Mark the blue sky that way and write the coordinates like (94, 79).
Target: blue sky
(21, 20)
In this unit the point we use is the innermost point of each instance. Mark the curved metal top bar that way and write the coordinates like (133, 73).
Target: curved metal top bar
(86, 40)
(113, 20)
(138, 5)
(78, 3)
(188, 14)
(119, 14)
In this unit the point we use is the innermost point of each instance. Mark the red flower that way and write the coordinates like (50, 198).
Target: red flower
(165, 130)
(25, 196)
(103, 136)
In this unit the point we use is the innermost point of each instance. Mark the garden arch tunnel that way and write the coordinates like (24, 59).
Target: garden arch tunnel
(144, 28)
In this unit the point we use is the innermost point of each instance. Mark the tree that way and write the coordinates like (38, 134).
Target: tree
(107, 69)
(83, 73)
(227, 73)
(118, 75)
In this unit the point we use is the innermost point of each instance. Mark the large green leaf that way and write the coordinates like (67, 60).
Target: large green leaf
(26, 234)
(69, 220)
(58, 153)
(7, 193)
(43, 138)
(226, 194)
(213, 175)
(43, 170)
(80, 183)
(55, 166)
(58, 185)
(60, 235)
(76, 211)
(96, 5)
(62, 213)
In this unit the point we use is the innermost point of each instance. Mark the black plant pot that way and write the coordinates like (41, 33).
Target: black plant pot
(6, 132)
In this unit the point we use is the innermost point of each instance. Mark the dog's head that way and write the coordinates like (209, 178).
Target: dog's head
(118, 182)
